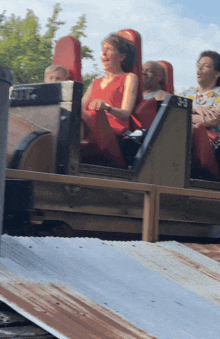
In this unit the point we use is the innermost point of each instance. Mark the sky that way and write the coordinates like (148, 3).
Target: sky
(175, 31)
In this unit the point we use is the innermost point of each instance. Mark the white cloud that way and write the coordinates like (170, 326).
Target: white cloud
(166, 35)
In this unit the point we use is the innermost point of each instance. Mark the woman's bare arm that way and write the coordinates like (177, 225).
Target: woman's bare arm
(87, 97)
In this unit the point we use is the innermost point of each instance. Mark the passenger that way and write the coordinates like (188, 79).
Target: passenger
(154, 79)
(55, 73)
(206, 117)
(115, 94)
(206, 99)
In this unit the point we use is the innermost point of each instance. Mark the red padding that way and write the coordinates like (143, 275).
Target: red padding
(203, 151)
(134, 124)
(135, 37)
(145, 112)
(68, 54)
(212, 136)
(169, 87)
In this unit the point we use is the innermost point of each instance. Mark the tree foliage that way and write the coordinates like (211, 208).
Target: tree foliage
(26, 52)
(78, 32)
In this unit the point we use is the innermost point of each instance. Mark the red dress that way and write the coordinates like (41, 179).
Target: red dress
(112, 94)
(105, 127)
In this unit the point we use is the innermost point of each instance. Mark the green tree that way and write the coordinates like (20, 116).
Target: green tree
(23, 50)
(78, 31)
(26, 52)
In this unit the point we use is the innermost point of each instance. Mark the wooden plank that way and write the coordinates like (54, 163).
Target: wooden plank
(204, 184)
(156, 215)
(13, 325)
(150, 226)
(77, 180)
(90, 222)
(148, 217)
(87, 200)
(184, 229)
(24, 332)
(189, 209)
(10, 318)
(206, 194)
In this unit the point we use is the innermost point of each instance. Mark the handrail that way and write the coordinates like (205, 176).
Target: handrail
(152, 193)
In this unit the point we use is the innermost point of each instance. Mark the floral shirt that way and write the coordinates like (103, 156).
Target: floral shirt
(208, 99)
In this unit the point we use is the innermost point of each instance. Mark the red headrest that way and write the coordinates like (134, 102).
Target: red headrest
(68, 54)
(169, 87)
(135, 37)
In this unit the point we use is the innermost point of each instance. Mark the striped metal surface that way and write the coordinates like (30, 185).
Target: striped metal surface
(89, 288)
(210, 250)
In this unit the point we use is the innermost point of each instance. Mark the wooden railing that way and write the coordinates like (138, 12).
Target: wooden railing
(152, 194)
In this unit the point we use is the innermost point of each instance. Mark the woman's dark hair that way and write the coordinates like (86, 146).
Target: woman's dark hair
(215, 56)
(126, 47)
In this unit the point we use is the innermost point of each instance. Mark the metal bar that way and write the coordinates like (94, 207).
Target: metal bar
(5, 82)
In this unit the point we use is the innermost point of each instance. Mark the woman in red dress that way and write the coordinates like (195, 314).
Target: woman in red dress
(109, 101)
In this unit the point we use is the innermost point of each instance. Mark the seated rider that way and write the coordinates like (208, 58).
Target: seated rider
(206, 116)
(55, 73)
(206, 99)
(154, 79)
(114, 94)
(111, 99)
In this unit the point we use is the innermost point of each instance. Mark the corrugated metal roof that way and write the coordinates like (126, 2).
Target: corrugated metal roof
(210, 250)
(89, 288)
(181, 264)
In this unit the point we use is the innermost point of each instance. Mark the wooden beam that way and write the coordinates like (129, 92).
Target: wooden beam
(77, 180)
(196, 193)
(150, 227)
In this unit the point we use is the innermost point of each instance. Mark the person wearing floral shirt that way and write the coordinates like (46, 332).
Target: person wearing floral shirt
(206, 117)
(206, 99)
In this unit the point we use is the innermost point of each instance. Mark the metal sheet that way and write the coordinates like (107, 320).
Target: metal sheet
(210, 250)
(179, 264)
(88, 288)
(65, 314)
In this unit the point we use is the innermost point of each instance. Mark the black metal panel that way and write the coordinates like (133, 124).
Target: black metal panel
(18, 195)
(68, 141)
(66, 93)
(44, 94)
(22, 147)
(131, 174)
(6, 75)
(173, 101)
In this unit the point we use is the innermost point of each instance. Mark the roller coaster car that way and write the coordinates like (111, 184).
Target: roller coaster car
(44, 136)
(44, 128)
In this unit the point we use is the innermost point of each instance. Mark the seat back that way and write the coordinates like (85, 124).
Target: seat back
(135, 37)
(168, 68)
(204, 162)
(68, 54)
(146, 111)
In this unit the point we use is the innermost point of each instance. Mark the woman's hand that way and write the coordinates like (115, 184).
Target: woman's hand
(98, 105)
(210, 117)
